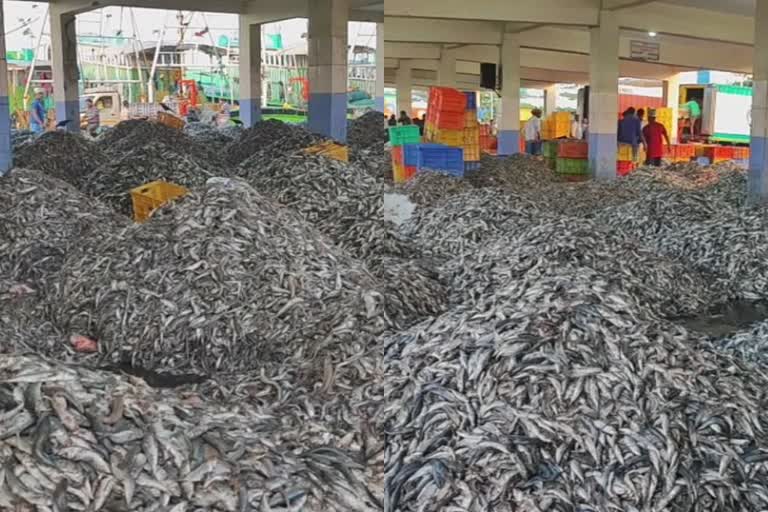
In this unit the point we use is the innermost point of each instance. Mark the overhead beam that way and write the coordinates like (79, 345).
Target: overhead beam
(422, 30)
(570, 12)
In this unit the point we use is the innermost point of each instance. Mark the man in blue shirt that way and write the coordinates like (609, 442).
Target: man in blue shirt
(37, 113)
(631, 131)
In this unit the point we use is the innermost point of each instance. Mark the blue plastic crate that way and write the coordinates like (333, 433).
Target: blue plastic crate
(411, 152)
(436, 157)
(471, 100)
(471, 166)
(703, 160)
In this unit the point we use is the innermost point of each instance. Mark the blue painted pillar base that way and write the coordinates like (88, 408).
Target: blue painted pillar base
(757, 183)
(509, 142)
(69, 110)
(6, 149)
(602, 155)
(250, 112)
(380, 104)
(328, 115)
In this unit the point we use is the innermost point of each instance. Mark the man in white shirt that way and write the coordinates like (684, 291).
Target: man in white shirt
(532, 133)
(576, 131)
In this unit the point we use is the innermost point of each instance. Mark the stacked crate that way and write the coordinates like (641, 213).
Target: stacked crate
(400, 136)
(556, 126)
(680, 153)
(433, 157)
(446, 117)
(624, 161)
(549, 151)
(718, 154)
(573, 160)
(488, 142)
(471, 144)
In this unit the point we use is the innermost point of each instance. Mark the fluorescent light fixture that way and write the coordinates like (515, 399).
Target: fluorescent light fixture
(652, 34)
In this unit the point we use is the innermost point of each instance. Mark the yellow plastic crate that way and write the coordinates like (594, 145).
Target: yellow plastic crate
(170, 121)
(448, 137)
(471, 153)
(562, 117)
(624, 153)
(148, 198)
(330, 150)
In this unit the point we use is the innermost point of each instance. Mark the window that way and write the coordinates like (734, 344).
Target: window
(104, 102)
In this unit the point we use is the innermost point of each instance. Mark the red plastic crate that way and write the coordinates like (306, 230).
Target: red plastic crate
(410, 171)
(447, 100)
(680, 152)
(397, 155)
(624, 168)
(578, 150)
(718, 153)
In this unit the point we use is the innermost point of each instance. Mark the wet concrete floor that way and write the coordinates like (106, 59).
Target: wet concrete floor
(725, 319)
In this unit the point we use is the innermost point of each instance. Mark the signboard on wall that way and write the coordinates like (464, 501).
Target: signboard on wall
(644, 50)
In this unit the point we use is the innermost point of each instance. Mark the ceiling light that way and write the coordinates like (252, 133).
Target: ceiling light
(652, 34)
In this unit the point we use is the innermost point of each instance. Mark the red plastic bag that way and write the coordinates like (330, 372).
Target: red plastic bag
(83, 345)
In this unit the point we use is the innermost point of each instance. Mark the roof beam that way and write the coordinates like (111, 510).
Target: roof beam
(421, 30)
(569, 12)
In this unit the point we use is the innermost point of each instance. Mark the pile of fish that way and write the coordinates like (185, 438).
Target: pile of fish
(222, 281)
(80, 439)
(112, 182)
(268, 140)
(206, 133)
(368, 130)
(461, 223)
(665, 286)
(429, 188)
(346, 204)
(42, 220)
(561, 392)
(517, 172)
(60, 154)
(133, 134)
(19, 137)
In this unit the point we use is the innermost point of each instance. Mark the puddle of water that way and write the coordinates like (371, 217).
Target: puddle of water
(725, 319)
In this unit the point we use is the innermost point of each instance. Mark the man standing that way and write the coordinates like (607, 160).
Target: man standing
(532, 133)
(631, 131)
(655, 134)
(577, 132)
(37, 113)
(92, 116)
(694, 115)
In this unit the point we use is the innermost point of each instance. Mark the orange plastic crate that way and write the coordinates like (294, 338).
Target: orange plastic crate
(446, 120)
(741, 153)
(624, 168)
(397, 155)
(719, 153)
(170, 121)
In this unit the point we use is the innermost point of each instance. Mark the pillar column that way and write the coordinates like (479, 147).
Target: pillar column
(380, 67)
(328, 20)
(758, 162)
(6, 149)
(446, 69)
(250, 72)
(404, 88)
(550, 99)
(672, 100)
(66, 76)
(509, 115)
(604, 96)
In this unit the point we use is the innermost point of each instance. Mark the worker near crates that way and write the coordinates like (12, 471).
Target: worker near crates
(37, 114)
(655, 134)
(532, 133)
(631, 131)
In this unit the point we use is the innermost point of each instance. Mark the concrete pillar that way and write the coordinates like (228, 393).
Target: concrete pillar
(758, 162)
(380, 67)
(328, 29)
(250, 72)
(404, 88)
(446, 69)
(66, 75)
(672, 100)
(509, 115)
(604, 96)
(6, 149)
(550, 99)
